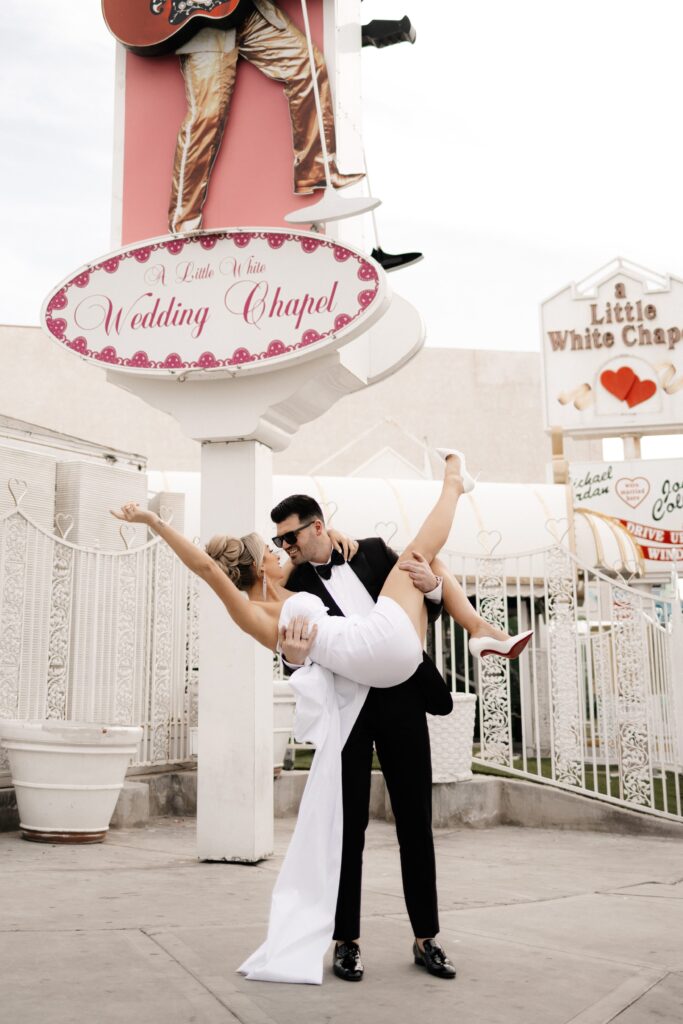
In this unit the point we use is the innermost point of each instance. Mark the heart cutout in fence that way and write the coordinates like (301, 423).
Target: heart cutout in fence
(64, 524)
(127, 531)
(166, 514)
(632, 490)
(18, 489)
(330, 509)
(386, 530)
(557, 528)
(489, 540)
(618, 382)
(625, 573)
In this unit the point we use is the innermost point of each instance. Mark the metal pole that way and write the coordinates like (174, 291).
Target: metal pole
(316, 94)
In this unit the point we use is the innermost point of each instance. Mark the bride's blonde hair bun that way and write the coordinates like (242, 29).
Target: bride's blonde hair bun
(238, 557)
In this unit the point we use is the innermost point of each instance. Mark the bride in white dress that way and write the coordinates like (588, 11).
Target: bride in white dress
(348, 655)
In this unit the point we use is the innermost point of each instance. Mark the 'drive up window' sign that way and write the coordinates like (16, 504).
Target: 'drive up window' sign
(613, 354)
(643, 497)
(233, 300)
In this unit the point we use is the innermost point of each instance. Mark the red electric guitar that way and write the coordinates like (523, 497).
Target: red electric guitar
(154, 27)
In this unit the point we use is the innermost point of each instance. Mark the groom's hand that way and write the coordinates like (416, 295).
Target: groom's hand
(420, 572)
(296, 640)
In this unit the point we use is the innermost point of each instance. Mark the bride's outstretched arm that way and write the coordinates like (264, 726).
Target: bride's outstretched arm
(250, 618)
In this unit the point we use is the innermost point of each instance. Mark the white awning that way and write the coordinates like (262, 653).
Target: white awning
(394, 510)
(508, 519)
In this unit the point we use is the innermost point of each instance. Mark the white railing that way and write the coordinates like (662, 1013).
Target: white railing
(103, 636)
(595, 703)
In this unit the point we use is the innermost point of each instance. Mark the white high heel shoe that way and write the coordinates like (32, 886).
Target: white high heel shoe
(468, 481)
(480, 646)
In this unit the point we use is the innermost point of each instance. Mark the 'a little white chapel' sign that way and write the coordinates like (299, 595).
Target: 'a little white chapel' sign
(613, 353)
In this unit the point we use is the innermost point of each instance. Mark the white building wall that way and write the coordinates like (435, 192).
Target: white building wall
(488, 404)
(43, 384)
(485, 402)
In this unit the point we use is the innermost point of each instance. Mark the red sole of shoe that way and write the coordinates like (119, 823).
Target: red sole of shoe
(513, 653)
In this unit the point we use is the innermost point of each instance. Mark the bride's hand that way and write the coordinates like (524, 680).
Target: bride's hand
(296, 640)
(132, 513)
(342, 543)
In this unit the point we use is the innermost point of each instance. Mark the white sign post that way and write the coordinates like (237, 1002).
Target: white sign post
(235, 763)
(242, 336)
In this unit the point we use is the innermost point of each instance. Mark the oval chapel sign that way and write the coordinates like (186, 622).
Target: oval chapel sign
(237, 300)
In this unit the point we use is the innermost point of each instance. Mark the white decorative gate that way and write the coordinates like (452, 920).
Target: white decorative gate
(97, 636)
(595, 703)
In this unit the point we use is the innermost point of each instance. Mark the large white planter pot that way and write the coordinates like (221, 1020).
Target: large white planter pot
(67, 776)
(451, 738)
(283, 720)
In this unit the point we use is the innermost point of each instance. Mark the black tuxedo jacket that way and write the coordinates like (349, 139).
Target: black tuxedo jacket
(372, 563)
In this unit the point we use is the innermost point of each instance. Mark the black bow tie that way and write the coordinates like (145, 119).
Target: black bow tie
(325, 571)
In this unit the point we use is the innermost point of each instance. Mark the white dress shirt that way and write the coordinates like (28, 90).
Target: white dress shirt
(347, 590)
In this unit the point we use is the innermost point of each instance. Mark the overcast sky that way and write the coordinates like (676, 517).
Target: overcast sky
(519, 145)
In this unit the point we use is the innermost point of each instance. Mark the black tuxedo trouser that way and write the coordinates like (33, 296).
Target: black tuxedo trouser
(395, 720)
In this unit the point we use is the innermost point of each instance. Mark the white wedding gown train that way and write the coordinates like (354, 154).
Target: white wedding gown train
(350, 655)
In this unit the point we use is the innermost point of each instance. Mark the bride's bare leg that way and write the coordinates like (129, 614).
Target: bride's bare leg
(459, 608)
(431, 537)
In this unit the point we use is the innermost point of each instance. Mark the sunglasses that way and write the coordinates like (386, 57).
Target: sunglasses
(291, 535)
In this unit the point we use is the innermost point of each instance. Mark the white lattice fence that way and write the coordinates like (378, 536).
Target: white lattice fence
(595, 703)
(92, 635)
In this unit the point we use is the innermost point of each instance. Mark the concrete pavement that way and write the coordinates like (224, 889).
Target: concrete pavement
(545, 927)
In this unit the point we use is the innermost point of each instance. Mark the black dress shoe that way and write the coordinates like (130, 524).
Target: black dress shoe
(347, 962)
(434, 959)
(395, 261)
(387, 33)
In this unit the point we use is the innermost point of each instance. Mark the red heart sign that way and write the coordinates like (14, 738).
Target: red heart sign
(619, 383)
(640, 391)
(627, 386)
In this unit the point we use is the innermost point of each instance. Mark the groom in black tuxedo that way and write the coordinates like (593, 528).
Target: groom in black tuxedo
(392, 719)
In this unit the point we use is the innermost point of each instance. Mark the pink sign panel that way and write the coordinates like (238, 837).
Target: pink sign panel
(242, 299)
(252, 178)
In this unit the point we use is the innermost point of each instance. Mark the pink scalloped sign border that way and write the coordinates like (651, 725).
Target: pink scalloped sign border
(234, 299)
